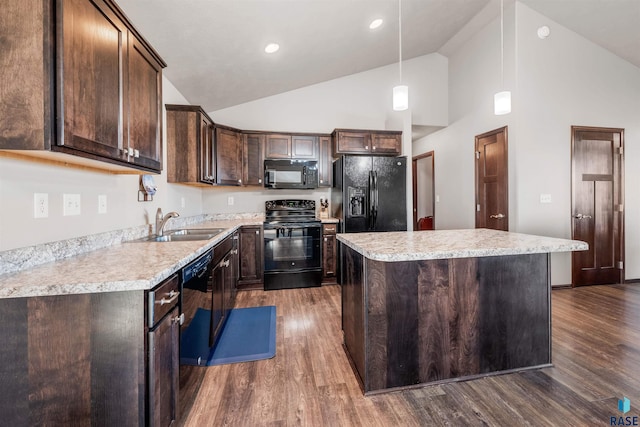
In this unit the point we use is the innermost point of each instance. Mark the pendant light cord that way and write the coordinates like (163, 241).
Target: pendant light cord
(502, 44)
(400, 38)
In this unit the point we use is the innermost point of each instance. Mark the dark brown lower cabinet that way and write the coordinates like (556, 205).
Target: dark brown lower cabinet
(329, 254)
(163, 353)
(85, 359)
(251, 259)
(163, 370)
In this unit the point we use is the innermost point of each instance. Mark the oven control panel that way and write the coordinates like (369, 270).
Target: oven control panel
(289, 204)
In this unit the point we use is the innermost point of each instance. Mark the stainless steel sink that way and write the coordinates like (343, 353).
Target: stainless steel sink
(184, 235)
(195, 231)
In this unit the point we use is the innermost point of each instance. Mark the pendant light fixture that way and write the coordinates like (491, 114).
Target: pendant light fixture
(400, 92)
(502, 100)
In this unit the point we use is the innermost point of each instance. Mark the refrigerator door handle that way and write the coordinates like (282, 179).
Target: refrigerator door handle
(375, 195)
(371, 200)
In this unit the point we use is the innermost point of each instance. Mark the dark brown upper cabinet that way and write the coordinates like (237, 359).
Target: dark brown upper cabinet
(190, 149)
(284, 146)
(228, 143)
(253, 159)
(325, 164)
(277, 146)
(347, 141)
(145, 106)
(90, 83)
(304, 147)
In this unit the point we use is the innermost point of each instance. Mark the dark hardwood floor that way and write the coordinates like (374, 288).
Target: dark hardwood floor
(596, 357)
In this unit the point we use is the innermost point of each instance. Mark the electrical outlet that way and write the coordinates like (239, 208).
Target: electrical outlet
(70, 204)
(40, 205)
(230, 200)
(102, 204)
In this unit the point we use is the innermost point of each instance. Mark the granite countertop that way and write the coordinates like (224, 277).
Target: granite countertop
(442, 244)
(126, 266)
(329, 220)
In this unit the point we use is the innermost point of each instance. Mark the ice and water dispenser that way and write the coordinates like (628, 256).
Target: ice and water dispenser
(357, 202)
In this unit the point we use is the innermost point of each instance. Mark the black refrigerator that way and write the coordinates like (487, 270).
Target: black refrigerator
(369, 193)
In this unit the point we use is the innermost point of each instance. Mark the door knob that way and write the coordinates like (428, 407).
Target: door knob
(498, 216)
(581, 216)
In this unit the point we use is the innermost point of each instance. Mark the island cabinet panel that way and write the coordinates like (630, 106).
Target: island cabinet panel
(418, 322)
(353, 306)
(81, 360)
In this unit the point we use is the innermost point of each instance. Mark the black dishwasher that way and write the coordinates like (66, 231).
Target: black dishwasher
(201, 306)
(208, 295)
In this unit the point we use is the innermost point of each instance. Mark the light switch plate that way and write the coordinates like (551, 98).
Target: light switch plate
(230, 201)
(70, 204)
(40, 205)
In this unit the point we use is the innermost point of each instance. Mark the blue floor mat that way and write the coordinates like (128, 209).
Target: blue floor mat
(249, 334)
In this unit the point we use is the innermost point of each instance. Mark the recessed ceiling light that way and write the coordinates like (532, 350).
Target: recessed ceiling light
(272, 48)
(375, 24)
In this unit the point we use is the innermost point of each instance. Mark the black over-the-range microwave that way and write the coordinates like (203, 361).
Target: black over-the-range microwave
(301, 174)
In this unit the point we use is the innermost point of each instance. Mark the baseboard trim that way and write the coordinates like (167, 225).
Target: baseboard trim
(556, 287)
(632, 281)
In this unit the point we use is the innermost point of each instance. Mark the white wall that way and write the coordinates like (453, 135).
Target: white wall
(588, 86)
(474, 76)
(358, 101)
(562, 81)
(19, 180)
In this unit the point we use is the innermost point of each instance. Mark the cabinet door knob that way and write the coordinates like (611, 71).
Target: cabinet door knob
(257, 231)
(366, 147)
(136, 153)
(259, 181)
(373, 148)
(325, 239)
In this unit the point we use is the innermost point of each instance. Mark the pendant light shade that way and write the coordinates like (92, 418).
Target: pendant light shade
(400, 97)
(400, 92)
(502, 100)
(502, 103)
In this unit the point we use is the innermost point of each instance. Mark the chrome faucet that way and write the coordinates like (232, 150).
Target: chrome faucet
(161, 220)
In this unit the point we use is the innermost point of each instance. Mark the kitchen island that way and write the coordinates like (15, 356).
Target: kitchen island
(429, 307)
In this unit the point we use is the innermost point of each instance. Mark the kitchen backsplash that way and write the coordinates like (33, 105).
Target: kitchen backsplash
(19, 259)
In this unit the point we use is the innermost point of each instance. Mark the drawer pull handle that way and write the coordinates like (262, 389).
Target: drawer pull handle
(173, 295)
(179, 319)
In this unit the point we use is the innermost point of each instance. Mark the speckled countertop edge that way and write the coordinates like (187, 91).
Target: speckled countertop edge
(124, 266)
(443, 244)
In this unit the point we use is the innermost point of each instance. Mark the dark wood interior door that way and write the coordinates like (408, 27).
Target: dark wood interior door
(492, 180)
(597, 205)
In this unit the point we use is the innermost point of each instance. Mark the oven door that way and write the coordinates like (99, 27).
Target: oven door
(291, 247)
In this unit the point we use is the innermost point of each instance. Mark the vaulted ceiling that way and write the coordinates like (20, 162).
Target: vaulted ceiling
(215, 48)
